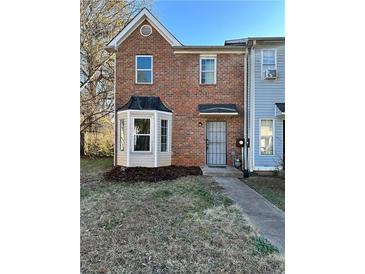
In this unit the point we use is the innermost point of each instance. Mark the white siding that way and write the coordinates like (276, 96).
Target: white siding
(164, 158)
(267, 93)
(122, 155)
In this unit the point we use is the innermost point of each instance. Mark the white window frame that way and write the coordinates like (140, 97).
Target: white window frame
(273, 138)
(167, 136)
(136, 70)
(140, 30)
(144, 134)
(202, 57)
(262, 62)
(120, 134)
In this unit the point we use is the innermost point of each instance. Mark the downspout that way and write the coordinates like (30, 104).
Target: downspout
(244, 148)
(115, 111)
(251, 124)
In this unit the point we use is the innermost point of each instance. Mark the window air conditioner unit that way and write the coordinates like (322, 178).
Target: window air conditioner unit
(270, 74)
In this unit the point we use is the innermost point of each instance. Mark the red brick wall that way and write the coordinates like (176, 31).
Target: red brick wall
(176, 82)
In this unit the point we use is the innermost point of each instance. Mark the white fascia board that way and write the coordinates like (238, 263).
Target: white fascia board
(144, 111)
(135, 22)
(209, 53)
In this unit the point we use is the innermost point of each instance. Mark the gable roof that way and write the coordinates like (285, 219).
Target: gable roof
(144, 14)
(145, 103)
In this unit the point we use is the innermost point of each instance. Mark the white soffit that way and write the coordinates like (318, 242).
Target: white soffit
(144, 14)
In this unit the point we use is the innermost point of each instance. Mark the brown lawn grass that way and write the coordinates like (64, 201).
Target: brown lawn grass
(186, 225)
(272, 188)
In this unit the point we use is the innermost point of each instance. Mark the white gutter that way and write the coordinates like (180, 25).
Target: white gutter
(252, 107)
(115, 113)
(208, 52)
(245, 120)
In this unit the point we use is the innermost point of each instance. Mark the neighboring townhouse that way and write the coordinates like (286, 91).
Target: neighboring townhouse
(175, 104)
(265, 104)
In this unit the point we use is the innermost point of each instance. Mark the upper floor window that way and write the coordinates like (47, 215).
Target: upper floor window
(144, 69)
(268, 59)
(208, 70)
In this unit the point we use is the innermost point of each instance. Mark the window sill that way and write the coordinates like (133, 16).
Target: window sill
(208, 84)
(143, 84)
(142, 152)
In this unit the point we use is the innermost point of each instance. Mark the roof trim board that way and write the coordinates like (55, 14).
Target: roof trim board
(217, 109)
(144, 14)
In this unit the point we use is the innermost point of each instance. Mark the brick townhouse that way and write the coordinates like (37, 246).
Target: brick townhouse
(175, 104)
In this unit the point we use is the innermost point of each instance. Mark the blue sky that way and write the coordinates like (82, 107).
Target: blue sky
(212, 22)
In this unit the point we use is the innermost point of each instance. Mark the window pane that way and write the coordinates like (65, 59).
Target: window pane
(141, 143)
(163, 135)
(144, 76)
(269, 57)
(266, 67)
(266, 140)
(207, 77)
(122, 135)
(208, 64)
(144, 62)
(141, 126)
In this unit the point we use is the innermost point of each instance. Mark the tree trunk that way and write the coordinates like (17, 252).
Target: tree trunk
(82, 144)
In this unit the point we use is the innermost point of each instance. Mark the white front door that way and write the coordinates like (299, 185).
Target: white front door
(216, 143)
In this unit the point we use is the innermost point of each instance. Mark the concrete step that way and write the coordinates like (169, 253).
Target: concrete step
(227, 171)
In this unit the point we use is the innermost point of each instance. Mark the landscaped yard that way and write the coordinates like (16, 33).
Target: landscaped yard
(272, 188)
(185, 225)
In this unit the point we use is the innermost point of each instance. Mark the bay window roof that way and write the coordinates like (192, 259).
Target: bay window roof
(145, 103)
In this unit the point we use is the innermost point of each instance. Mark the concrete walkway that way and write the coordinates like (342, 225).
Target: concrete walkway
(267, 218)
(226, 171)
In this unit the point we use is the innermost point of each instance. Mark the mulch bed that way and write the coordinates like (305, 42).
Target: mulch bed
(146, 174)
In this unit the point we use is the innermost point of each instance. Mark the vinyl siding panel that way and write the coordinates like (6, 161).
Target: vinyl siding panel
(267, 93)
(122, 155)
(164, 158)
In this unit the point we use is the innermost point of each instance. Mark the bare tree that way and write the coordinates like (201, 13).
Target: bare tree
(100, 21)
